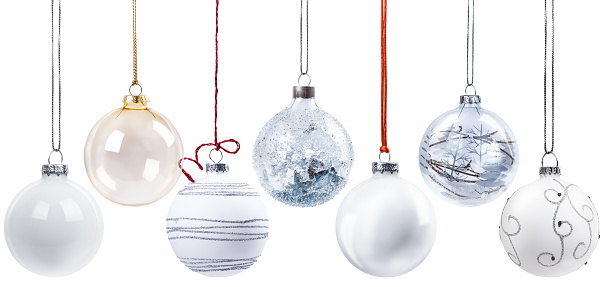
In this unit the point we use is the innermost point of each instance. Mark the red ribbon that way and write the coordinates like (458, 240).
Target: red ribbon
(218, 145)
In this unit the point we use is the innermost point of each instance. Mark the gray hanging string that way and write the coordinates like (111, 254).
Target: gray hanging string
(304, 72)
(470, 44)
(546, 149)
(57, 147)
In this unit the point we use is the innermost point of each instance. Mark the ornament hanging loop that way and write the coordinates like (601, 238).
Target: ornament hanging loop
(389, 157)
(473, 87)
(221, 155)
(135, 85)
(299, 79)
(57, 151)
(551, 153)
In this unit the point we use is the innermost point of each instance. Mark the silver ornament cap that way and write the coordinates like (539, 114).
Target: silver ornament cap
(58, 169)
(550, 170)
(382, 167)
(303, 92)
(217, 167)
(470, 99)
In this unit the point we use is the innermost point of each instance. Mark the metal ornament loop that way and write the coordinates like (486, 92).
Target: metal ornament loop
(389, 157)
(53, 151)
(551, 153)
(299, 78)
(474, 89)
(221, 156)
(130, 89)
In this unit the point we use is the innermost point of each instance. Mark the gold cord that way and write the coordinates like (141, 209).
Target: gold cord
(134, 55)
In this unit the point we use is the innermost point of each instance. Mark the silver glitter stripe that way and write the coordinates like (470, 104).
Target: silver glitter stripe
(217, 239)
(222, 269)
(225, 226)
(209, 267)
(225, 193)
(193, 230)
(217, 188)
(215, 220)
(214, 260)
(193, 185)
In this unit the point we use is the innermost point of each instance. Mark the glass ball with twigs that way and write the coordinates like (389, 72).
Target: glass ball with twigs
(468, 156)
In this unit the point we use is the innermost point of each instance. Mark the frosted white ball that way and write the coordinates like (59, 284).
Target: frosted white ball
(386, 226)
(131, 155)
(549, 227)
(217, 226)
(53, 227)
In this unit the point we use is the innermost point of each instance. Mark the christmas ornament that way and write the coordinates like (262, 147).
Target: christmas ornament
(218, 225)
(468, 156)
(132, 153)
(549, 227)
(385, 226)
(53, 227)
(303, 155)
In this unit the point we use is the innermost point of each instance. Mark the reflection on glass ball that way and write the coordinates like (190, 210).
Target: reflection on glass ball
(549, 227)
(132, 154)
(53, 227)
(303, 155)
(468, 156)
(386, 226)
(218, 225)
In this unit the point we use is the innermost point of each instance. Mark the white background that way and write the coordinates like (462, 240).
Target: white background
(259, 52)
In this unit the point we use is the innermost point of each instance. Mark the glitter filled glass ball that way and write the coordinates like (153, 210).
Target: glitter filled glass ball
(132, 154)
(303, 156)
(468, 156)
(549, 227)
(386, 226)
(218, 225)
(53, 227)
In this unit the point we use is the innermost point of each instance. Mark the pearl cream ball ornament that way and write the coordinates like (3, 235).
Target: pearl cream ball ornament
(386, 226)
(549, 227)
(53, 227)
(218, 225)
(132, 154)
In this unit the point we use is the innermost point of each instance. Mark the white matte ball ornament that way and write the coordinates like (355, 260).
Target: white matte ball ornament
(549, 227)
(53, 227)
(386, 226)
(132, 154)
(217, 226)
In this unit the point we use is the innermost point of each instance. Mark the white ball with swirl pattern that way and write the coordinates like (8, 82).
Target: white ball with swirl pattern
(218, 225)
(549, 227)
(468, 156)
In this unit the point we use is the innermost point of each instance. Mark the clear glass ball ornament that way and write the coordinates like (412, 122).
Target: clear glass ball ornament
(218, 225)
(386, 226)
(53, 227)
(132, 154)
(303, 155)
(549, 227)
(468, 156)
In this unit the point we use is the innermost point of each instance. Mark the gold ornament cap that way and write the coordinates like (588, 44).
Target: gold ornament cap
(135, 102)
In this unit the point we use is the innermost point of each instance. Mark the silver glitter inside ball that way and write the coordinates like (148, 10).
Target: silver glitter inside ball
(303, 155)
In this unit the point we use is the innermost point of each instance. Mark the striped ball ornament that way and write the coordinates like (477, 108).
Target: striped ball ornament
(217, 226)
